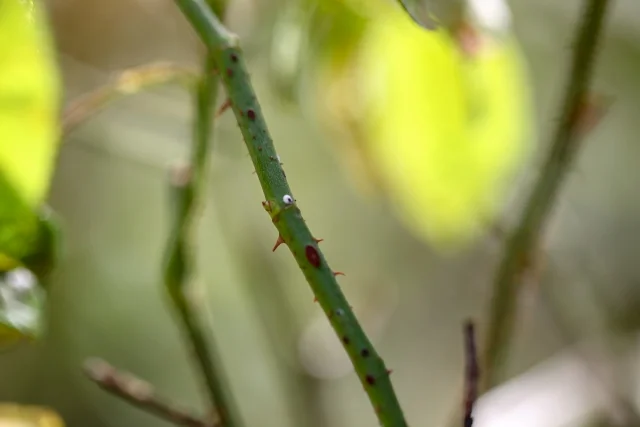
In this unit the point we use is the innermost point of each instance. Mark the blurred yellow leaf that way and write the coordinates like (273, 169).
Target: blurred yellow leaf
(29, 138)
(14, 415)
(441, 123)
(29, 99)
(29, 125)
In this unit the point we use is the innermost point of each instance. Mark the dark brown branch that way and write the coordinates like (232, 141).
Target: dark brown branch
(472, 372)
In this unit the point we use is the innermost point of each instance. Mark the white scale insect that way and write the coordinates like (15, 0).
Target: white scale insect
(287, 199)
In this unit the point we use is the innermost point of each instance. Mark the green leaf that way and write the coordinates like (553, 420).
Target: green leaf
(18, 226)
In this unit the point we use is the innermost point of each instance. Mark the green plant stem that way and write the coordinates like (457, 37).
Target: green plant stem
(524, 239)
(187, 190)
(287, 218)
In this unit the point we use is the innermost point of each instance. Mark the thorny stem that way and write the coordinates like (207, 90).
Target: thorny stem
(187, 190)
(139, 393)
(287, 218)
(522, 241)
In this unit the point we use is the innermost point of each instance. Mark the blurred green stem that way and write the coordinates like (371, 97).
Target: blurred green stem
(187, 186)
(286, 216)
(523, 240)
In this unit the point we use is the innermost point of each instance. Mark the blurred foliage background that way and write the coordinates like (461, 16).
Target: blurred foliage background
(285, 364)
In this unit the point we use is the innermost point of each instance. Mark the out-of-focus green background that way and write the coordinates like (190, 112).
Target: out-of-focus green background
(284, 363)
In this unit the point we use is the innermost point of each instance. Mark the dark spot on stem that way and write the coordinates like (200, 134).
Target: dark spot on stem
(234, 57)
(229, 72)
(371, 380)
(364, 352)
(345, 340)
(312, 255)
(251, 114)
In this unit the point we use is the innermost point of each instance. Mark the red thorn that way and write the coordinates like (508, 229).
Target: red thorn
(278, 243)
(315, 299)
(318, 240)
(389, 371)
(338, 273)
(224, 107)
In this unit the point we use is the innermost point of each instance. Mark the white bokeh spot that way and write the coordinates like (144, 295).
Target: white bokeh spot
(21, 279)
(494, 15)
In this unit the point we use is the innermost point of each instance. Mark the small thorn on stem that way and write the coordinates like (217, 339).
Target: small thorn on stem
(278, 243)
(318, 240)
(591, 112)
(315, 299)
(338, 273)
(224, 107)
(181, 176)
(389, 371)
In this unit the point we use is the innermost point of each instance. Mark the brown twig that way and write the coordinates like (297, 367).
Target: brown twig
(139, 393)
(128, 82)
(472, 372)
